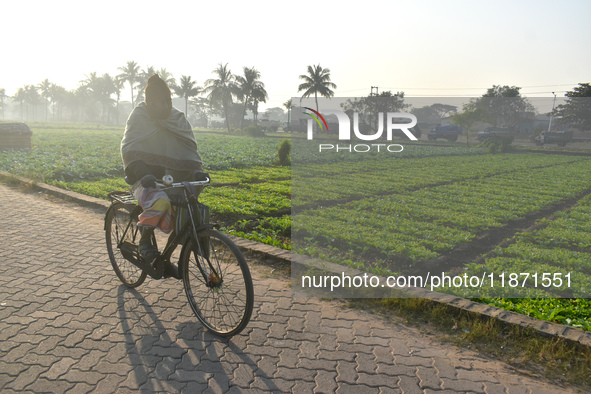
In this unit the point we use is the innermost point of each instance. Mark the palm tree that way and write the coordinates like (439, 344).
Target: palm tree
(31, 98)
(45, 88)
(130, 73)
(2, 97)
(317, 82)
(58, 96)
(186, 89)
(248, 84)
(118, 83)
(259, 95)
(145, 74)
(287, 105)
(20, 97)
(81, 99)
(107, 88)
(221, 89)
(166, 76)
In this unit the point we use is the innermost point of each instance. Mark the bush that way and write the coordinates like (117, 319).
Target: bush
(254, 131)
(284, 153)
(494, 145)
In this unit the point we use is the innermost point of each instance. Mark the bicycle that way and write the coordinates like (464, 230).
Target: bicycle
(215, 275)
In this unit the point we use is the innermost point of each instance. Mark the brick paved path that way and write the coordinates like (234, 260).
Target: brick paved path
(68, 325)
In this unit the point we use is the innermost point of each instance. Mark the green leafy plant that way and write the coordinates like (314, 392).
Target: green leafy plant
(284, 153)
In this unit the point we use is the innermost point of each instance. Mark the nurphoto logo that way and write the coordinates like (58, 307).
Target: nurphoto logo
(393, 121)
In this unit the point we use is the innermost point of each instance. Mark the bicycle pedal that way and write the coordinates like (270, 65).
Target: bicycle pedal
(129, 250)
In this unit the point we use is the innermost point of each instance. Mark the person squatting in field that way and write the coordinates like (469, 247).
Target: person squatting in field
(158, 141)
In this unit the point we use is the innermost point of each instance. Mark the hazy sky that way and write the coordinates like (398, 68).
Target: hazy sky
(432, 48)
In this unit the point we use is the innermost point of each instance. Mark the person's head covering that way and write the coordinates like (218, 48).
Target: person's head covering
(157, 90)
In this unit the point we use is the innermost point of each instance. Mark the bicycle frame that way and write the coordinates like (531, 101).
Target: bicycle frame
(163, 267)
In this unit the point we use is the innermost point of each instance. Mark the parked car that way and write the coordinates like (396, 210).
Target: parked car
(496, 133)
(560, 138)
(449, 133)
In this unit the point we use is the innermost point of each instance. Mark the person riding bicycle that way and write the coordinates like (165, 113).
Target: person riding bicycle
(158, 141)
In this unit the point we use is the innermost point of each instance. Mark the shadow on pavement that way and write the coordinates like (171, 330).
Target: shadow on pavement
(187, 358)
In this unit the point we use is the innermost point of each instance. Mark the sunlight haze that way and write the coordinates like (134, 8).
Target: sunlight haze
(424, 48)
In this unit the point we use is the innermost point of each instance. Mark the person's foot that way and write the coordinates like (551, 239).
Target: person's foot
(148, 252)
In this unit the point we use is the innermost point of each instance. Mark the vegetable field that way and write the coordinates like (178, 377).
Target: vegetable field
(475, 213)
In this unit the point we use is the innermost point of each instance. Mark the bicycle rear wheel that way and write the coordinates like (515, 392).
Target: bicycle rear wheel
(217, 283)
(122, 236)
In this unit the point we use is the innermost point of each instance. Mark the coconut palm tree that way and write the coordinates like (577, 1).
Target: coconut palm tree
(259, 95)
(45, 89)
(20, 97)
(166, 76)
(144, 75)
(186, 89)
(221, 89)
(32, 98)
(58, 96)
(118, 84)
(248, 85)
(107, 88)
(317, 82)
(287, 105)
(130, 73)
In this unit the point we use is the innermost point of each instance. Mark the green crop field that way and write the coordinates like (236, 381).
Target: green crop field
(517, 212)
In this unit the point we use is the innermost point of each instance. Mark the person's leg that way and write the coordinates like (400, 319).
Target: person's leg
(147, 250)
(157, 213)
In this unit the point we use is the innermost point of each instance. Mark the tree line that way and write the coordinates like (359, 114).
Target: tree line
(98, 97)
(230, 96)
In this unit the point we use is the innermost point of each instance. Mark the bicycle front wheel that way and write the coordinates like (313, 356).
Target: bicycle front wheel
(122, 237)
(217, 283)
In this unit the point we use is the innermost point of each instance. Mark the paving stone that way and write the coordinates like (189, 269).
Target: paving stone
(182, 375)
(308, 349)
(109, 384)
(316, 365)
(347, 372)
(409, 384)
(26, 378)
(304, 387)
(194, 387)
(275, 385)
(267, 366)
(5, 379)
(42, 385)
(463, 385)
(325, 382)
(244, 375)
(366, 363)
(81, 388)
(59, 368)
(79, 376)
(70, 326)
(390, 390)
(156, 385)
(428, 378)
(345, 388)
(494, 388)
(12, 369)
(295, 374)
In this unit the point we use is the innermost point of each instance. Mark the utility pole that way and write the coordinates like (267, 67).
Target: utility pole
(372, 93)
(551, 115)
